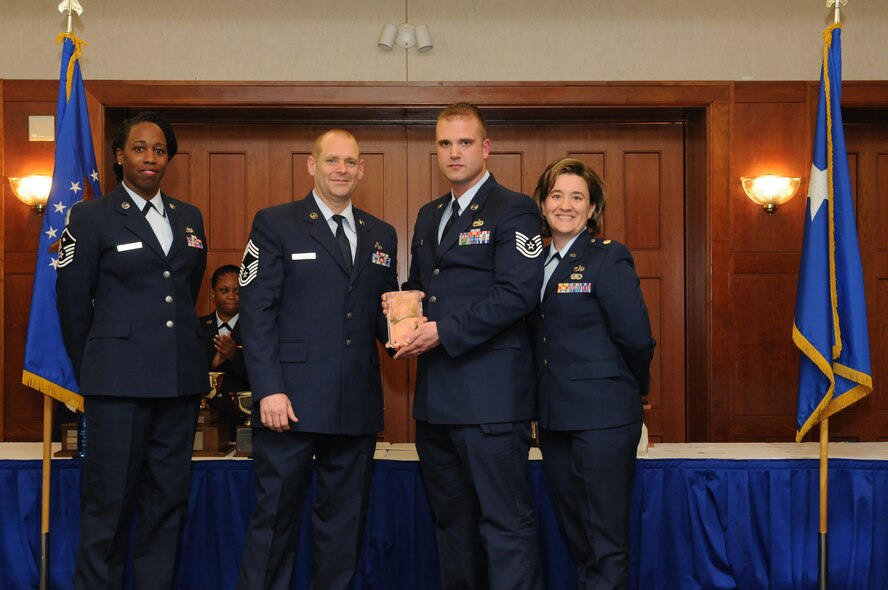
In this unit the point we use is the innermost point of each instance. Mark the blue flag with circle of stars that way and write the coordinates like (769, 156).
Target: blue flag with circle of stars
(47, 367)
(830, 327)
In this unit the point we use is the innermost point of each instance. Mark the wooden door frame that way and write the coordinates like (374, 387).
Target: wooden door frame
(705, 106)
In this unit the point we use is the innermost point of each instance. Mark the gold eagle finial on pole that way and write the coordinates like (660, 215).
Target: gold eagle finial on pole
(72, 6)
(838, 4)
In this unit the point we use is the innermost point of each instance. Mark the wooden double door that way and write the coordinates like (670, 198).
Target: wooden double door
(231, 170)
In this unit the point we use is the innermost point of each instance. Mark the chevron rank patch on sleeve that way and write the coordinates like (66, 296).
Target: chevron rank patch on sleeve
(66, 249)
(528, 247)
(249, 269)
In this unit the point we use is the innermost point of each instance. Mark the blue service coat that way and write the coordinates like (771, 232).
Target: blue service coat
(479, 283)
(592, 340)
(309, 328)
(126, 309)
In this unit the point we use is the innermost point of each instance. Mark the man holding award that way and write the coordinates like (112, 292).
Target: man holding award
(311, 280)
(476, 256)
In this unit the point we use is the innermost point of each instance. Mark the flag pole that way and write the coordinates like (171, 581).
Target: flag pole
(44, 514)
(823, 570)
(824, 488)
(69, 7)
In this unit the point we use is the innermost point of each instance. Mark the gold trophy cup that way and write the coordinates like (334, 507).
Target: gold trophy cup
(211, 438)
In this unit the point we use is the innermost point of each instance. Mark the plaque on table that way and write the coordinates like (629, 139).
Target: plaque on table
(243, 406)
(211, 437)
(69, 436)
(404, 315)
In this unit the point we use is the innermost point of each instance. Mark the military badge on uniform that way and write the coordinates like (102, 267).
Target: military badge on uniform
(66, 249)
(579, 268)
(124, 205)
(474, 207)
(249, 269)
(574, 287)
(313, 215)
(172, 206)
(528, 247)
(188, 230)
(194, 241)
(576, 276)
(378, 246)
(473, 237)
(478, 223)
(382, 259)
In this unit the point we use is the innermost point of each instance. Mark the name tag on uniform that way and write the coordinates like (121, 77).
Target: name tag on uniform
(303, 256)
(130, 246)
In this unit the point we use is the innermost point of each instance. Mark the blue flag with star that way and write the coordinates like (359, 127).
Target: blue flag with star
(47, 367)
(830, 326)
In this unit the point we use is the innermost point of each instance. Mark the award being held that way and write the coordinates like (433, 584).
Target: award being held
(404, 315)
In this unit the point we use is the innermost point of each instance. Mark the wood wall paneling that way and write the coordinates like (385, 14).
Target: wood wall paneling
(770, 137)
(726, 125)
(4, 194)
(22, 406)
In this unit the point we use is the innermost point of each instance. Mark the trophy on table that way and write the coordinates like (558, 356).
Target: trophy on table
(211, 438)
(243, 406)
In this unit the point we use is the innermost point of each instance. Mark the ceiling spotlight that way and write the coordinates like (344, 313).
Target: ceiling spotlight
(406, 36)
(423, 38)
(387, 36)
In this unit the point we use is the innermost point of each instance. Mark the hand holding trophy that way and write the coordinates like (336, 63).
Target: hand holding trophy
(403, 312)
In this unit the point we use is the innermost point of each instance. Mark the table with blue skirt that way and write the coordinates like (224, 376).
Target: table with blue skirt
(706, 516)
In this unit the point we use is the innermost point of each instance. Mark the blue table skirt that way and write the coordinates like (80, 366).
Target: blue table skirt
(696, 524)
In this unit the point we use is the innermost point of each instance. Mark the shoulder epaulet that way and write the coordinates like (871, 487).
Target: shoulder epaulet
(600, 244)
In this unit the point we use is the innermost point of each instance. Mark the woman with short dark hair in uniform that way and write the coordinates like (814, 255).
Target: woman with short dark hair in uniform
(593, 351)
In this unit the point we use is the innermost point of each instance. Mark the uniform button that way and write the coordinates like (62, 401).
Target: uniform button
(542, 316)
(436, 272)
(544, 339)
(545, 362)
(166, 274)
(348, 342)
(170, 324)
(432, 299)
(349, 289)
(348, 316)
(168, 298)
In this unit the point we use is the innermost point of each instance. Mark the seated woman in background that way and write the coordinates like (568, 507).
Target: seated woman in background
(592, 350)
(222, 336)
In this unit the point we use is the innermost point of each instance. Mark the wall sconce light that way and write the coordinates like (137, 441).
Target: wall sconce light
(770, 191)
(405, 35)
(32, 190)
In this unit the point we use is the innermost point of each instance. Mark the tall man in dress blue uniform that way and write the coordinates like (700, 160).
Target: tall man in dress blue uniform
(311, 281)
(476, 257)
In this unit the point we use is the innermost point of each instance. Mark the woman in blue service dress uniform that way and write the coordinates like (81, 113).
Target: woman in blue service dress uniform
(592, 351)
